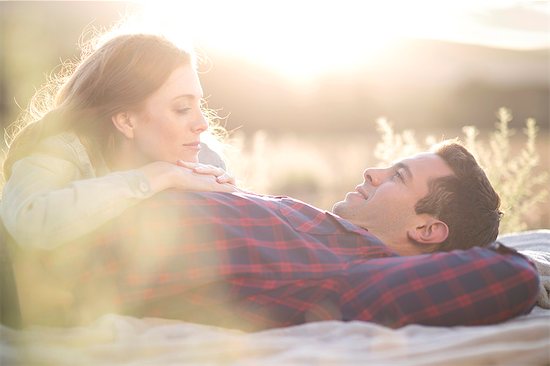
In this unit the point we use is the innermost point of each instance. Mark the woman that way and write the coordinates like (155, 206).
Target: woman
(120, 129)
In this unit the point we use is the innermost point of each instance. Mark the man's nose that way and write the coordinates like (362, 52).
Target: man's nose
(372, 176)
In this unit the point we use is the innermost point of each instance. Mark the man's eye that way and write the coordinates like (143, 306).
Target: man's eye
(399, 176)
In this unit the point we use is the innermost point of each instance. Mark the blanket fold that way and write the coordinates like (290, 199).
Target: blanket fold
(535, 245)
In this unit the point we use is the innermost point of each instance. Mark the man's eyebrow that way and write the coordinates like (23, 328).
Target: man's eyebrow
(405, 167)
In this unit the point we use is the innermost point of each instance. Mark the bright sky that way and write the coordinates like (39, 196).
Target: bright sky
(306, 37)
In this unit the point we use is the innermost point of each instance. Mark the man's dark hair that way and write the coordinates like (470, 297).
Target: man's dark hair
(465, 201)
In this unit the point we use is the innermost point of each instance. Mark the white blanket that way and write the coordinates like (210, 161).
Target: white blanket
(119, 340)
(536, 246)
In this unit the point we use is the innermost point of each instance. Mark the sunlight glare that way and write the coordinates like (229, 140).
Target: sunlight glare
(299, 39)
(304, 39)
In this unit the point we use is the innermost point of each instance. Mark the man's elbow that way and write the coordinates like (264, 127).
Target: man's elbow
(531, 279)
(520, 286)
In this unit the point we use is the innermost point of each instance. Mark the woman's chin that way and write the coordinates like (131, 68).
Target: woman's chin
(189, 158)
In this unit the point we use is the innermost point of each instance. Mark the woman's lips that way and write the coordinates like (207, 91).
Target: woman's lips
(193, 145)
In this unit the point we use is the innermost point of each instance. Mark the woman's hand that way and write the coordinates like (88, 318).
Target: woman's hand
(221, 175)
(163, 175)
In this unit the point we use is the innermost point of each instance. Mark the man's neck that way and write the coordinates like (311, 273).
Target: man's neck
(401, 246)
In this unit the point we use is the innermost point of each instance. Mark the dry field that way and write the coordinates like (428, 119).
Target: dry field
(320, 169)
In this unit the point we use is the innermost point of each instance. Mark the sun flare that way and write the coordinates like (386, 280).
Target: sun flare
(303, 39)
(299, 39)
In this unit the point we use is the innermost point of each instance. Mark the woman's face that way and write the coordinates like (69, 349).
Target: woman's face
(170, 122)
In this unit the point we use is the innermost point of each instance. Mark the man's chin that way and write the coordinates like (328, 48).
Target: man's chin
(337, 207)
(345, 210)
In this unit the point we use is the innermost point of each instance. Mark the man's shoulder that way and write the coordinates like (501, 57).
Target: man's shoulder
(299, 214)
(240, 203)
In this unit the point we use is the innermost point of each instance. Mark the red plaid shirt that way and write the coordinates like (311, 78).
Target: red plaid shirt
(253, 262)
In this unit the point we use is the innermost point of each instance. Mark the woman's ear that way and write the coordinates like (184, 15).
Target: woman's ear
(123, 123)
(431, 231)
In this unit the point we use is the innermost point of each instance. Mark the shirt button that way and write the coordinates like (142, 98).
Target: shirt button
(144, 187)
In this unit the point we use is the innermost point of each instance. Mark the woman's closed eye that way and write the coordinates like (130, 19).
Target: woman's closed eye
(183, 110)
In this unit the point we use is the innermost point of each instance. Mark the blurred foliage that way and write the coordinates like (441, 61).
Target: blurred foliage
(511, 171)
(321, 170)
(289, 165)
(36, 37)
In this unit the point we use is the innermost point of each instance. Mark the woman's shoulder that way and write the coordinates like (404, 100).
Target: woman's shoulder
(61, 144)
(65, 146)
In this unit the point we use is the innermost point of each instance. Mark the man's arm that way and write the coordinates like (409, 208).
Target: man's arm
(470, 287)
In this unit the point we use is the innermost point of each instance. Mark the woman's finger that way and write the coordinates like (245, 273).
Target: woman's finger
(187, 164)
(191, 165)
(221, 175)
(225, 178)
(212, 184)
(209, 169)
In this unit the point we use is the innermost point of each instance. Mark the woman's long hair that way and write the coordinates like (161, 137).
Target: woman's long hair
(117, 76)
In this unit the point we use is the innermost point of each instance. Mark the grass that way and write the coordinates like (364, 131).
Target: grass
(320, 169)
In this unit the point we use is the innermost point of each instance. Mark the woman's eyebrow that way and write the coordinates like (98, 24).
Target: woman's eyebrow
(187, 96)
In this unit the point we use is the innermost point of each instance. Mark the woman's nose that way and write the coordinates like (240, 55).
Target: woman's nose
(200, 125)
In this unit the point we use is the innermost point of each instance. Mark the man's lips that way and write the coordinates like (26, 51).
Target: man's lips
(362, 192)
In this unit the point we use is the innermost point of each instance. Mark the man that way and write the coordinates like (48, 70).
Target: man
(433, 201)
(252, 262)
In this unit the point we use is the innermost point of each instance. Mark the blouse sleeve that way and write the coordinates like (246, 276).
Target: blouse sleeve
(46, 202)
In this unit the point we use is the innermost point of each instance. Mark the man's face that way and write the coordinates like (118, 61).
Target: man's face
(384, 203)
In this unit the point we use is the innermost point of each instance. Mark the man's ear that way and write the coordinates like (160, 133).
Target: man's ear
(124, 124)
(430, 231)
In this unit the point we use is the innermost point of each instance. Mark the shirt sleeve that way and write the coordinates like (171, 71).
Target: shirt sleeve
(473, 287)
(211, 157)
(470, 287)
(46, 204)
